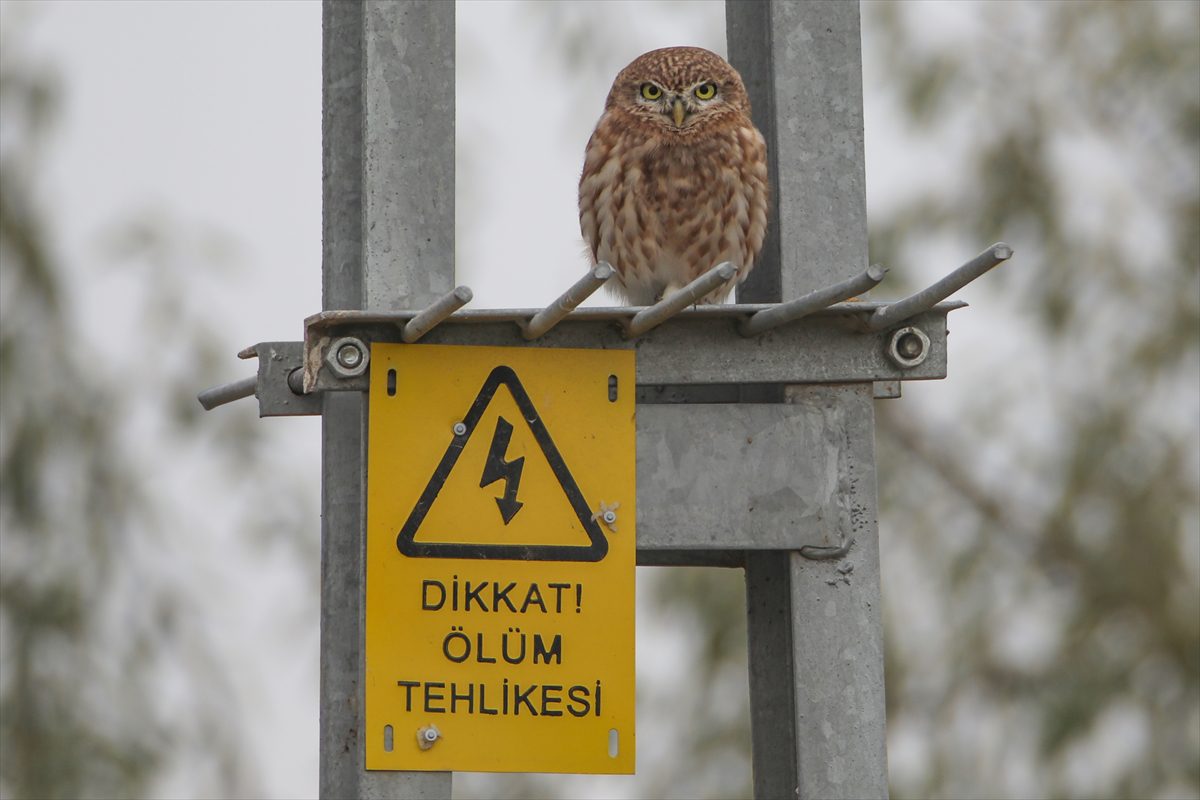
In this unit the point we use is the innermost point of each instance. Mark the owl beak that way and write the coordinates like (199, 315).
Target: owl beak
(679, 112)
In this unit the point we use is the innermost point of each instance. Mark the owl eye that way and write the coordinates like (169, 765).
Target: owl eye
(705, 91)
(650, 91)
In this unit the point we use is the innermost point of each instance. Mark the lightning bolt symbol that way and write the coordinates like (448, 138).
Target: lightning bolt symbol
(496, 468)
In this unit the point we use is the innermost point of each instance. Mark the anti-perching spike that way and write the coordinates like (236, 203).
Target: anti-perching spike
(550, 316)
(813, 301)
(926, 298)
(671, 305)
(441, 308)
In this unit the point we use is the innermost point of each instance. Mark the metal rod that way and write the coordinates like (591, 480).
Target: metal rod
(671, 305)
(295, 381)
(227, 392)
(428, 319)
(813, 301)
(550, 316)
(926, 298)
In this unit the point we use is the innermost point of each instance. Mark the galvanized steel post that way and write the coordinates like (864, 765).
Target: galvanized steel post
(388, 225)
(815, 629)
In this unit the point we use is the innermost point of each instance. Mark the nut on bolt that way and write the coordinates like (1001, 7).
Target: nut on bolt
(608, 515)
(908, 347)
(427, 736)
(348, 357)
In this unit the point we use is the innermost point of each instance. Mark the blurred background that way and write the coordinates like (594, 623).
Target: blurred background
(1040, 509)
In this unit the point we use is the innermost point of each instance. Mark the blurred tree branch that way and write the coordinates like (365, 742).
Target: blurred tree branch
(1081, 446)
(113, 680)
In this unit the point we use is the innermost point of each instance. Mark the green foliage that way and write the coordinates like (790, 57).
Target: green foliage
(112, 678)
(56, 458)
(1050, 514)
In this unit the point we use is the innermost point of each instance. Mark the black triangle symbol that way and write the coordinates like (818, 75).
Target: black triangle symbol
(406, 541)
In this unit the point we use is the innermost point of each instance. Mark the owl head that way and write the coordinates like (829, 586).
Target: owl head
(678, 92)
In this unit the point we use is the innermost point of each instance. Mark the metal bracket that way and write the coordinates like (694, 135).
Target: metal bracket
(816, 338)
(697, 346)
(280, 380)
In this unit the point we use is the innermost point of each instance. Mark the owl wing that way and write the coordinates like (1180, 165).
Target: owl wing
(590, 189)
(613, 216)
(756, 192)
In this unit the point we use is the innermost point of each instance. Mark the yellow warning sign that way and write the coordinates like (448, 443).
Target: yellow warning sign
(501, 508)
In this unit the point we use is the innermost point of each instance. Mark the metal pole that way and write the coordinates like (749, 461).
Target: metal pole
(388, 225)
(815, 630)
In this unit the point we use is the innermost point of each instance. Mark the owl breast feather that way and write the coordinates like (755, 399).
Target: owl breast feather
(663, 214)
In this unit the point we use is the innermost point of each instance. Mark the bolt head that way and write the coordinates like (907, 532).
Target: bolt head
(908, 347)
(349, 356)
(459, 429)
(431, 734)
(610, 517)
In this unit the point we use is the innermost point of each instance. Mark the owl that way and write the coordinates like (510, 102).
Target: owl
(675, 176)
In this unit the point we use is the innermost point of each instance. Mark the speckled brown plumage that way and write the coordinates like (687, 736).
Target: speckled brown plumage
(665, 202)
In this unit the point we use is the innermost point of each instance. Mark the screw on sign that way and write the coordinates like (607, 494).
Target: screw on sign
(427, 736)
(608, 515)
